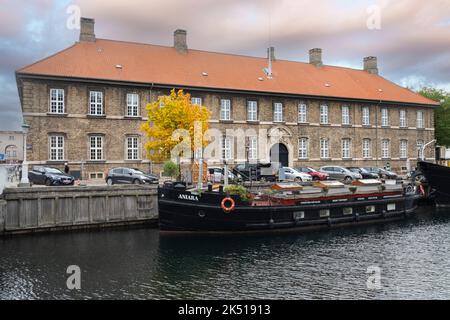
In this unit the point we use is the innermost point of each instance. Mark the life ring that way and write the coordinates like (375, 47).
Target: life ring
(224, 207)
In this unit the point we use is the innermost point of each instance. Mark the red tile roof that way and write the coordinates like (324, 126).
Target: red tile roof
(144, 63)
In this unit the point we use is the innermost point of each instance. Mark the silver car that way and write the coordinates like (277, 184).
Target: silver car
(292, 174)
(340, 173)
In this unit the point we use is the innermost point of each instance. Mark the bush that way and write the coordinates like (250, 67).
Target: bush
(171, 169)
(238, 190)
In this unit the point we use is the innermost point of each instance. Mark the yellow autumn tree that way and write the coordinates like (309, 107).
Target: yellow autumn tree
(165, 117)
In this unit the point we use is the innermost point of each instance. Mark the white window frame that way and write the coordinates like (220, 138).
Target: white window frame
(385, 149)
(324, 114)
(252, 110)
(420, 122)
(132, 148)
(303, 146)
(96, 103)
(132, 105)
(403, 119)
(384, 117)
(196, 100)
(227, 147)
(419, 145)
(345, 115)
(253, 148)
(346, 148)
(277, 112)
(324, 148)
(95, 149)
(403, 149)
(225, 109)
(56, 101)
(366, 148)
(302, 113)
(365, 116)
(56, 148)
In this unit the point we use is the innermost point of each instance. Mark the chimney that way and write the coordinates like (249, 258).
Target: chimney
(271, 53)
(87, 29)
(371, 65)
(179, 40)
(315, 57)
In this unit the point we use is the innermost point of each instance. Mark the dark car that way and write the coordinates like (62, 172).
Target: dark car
(316, 175)
(382, 173)
(130, 176)
(256, 171)
(50, 177)
(364, 173)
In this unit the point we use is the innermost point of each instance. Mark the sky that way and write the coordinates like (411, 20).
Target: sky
(411, 38)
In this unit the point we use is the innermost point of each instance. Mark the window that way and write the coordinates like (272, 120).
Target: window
(366, 146)
(11, 138)
(96, 103)
(56, 101)
(403, 149)
(96, 147)
(278, 112)
(403, 121)
(324, 213)
(14, 153)
(345, 115)
(196, 100)
(370, 209)
(298, 215)
(252, 110)
(384, 117)
(391, 207)
(365, 116)
(346, 148)
(324, 151)
(385, 149)
(225, 109)
(132, 148)
(302, 113)
(303, 148)
(253, 148)
(419, 149)
(323, 114)
(226, 148)
(56, 151)
(419, 119)
(347, 211)
(132, 105)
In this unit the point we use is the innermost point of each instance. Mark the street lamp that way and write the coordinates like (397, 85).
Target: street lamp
(24, 182)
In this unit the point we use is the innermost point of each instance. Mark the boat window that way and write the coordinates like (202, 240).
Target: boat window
(391, 206)
(370, 209)
(324, 213)
(347, 211)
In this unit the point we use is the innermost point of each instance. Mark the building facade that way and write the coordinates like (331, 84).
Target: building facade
(91, 115)
(11, 146)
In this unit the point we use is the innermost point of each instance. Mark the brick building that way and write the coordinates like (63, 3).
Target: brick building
(85, 105)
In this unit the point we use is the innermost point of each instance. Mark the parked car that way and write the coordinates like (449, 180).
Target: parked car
(292, 174)
(50, 177)
(340, 173)
(130, 176)
(256, 171)
(365, 174)
(216, 174)
(382, 173)
(316, 175)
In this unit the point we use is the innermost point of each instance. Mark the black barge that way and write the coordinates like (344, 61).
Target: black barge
(438, 179)
(288, 209)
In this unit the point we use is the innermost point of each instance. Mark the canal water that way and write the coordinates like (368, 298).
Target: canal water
(413, 257)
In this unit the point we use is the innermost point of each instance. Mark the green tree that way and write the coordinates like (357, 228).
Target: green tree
(441, 114)
(171, 169)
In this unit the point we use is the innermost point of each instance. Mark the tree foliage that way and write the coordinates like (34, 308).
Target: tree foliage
(441, 114)
(171, 169)
(168, 114)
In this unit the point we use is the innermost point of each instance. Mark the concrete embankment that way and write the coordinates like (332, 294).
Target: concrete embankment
(26, 210)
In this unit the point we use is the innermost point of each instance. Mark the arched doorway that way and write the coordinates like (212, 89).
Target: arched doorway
(279, 153)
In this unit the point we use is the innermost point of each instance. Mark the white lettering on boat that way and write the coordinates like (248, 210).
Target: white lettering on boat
(189, 197)
(340, 200)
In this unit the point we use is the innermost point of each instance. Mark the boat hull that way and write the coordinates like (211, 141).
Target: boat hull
(194, 216)
(438, 178)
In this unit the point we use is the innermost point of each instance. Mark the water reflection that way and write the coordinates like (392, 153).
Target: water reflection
(414, 256)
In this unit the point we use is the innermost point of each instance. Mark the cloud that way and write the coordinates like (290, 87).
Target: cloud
(412, 43)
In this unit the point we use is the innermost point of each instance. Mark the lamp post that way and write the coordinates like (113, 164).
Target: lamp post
(24, 182)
